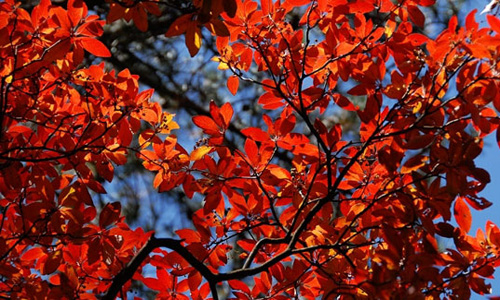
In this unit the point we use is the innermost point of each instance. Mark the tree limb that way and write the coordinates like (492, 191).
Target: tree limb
(129, 270)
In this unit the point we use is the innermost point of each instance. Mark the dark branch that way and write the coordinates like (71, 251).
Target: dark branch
(129, 270)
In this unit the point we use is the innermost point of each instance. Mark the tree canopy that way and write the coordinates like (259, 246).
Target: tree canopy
(340, 165)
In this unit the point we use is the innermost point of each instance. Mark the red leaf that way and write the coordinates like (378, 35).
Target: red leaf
(54, 260)
(230, 7)
(479, 286)
(153, 283)
(109, 214)
(212, 201)
(414, 164)
(193, 39)
(217, 27)
(417, 39)
(90, 29)
(140, 18)
(94, 185)
(360, 7)
(416, 16)
(240, 286)
(179, 26)
(189, 236)
(297, 2)
(344, 102)
(498, 136)
(194, 280)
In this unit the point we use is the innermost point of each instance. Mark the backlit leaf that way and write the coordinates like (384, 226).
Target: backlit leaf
(462, 214)
(232, 84)
(200, 152)
(94, 46)
(109, 214)
(193, 39)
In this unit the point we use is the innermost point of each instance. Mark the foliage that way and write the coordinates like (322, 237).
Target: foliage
(310, 210)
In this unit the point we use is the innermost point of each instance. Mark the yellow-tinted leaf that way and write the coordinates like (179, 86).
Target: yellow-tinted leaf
(222, 64)
(199, 152)
(193, 40)
(167, 124)
(149, 116)
(145, 138)
(279, 172)
(413, 164)
(67, 197)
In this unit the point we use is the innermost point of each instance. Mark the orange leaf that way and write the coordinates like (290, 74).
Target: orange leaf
(94, 46)
(226, 112)
(252, 151)
(232, 84)
(462, 215)
(494, 23)
(33, 254)
(149, 116)
(297, 2)
(256, 134)
(147, 137)
(207, 125)
(76, 10)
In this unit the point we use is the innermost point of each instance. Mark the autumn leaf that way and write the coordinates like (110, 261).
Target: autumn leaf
(76, 11)
(94, 46)
(232, 84)
(193, 39)
(462, 214)
(200, 152)
(207, 125)
(52, 262)
(109, 214)
(324, 176)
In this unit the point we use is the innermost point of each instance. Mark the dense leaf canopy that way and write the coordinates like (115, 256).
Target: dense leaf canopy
(296, 201)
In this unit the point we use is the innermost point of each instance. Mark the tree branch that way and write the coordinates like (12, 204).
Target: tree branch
(129, 270)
